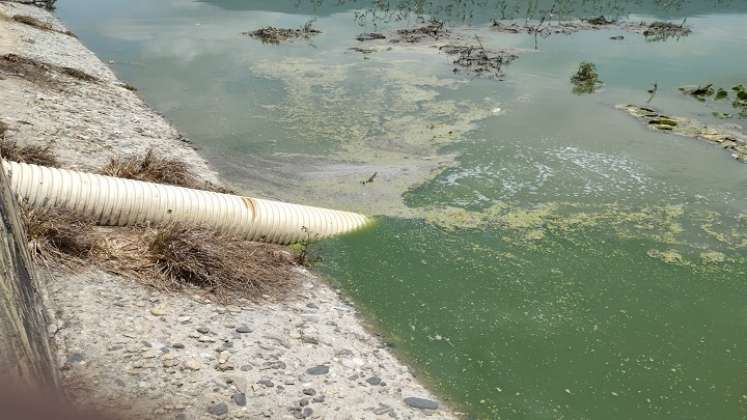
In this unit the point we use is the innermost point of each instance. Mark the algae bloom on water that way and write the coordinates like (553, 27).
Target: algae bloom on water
(586, 79)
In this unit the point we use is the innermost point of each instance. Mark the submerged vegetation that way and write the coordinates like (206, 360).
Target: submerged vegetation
(740, 102)
(586, 79)
(699, 92)
(703, 92)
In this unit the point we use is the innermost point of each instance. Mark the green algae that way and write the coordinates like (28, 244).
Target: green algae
(669, 256)
(668, 225)
(712, 257)
(395, 125)
(662, 224)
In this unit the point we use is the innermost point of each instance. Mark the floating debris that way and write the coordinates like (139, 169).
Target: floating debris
(370, 179)
(273, 35)
(434, 30)
(663, 31)
(364, 51)
(698, 92)
(370, 36)
(600, 21)
(652, 31)
(586, 79)
(479, 60)
(729, 139)
(541, 29)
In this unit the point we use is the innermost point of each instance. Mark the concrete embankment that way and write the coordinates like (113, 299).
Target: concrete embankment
(124, 346)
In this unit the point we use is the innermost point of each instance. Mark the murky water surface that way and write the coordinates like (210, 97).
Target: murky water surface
(539, 254)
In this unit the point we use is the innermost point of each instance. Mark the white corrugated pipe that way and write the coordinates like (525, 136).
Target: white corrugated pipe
(120, 202)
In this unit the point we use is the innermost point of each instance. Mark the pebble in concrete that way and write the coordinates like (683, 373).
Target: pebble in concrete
(219, 409)
(421, 403)
(374, 380)
(239, 398)
(318, 370)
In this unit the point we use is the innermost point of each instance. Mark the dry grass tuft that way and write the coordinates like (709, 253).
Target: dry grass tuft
(195, 256)
(78, 74)
(39, 24)
(152, 167)
(38, 155)
(32, 21)
(57, 237)
(171, 257)
(39, 72)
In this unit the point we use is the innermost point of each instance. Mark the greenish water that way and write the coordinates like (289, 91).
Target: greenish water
(538, 254)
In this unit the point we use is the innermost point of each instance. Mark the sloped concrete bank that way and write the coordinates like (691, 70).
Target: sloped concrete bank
(149, 354)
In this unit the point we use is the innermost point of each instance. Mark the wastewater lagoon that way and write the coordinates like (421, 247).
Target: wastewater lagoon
(539, 252)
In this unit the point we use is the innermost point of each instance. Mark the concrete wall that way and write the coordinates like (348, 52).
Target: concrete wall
(25, 354)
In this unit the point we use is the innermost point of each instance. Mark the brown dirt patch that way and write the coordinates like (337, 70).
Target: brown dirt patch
(39, 72)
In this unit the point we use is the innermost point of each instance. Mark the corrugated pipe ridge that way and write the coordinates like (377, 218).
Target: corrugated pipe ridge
(120, 202)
